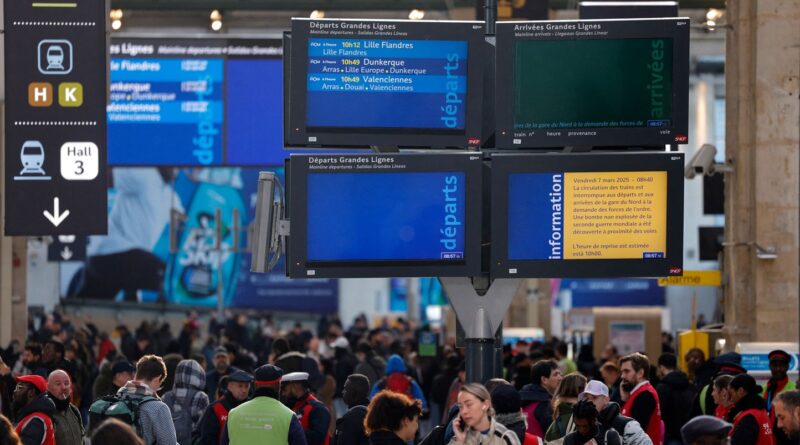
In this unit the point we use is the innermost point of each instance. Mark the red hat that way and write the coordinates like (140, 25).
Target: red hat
(36, 380)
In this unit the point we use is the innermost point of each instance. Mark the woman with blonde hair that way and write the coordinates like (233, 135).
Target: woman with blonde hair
(564, 400)
(475, 423)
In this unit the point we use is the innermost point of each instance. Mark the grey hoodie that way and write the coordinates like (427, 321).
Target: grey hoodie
(190, 381)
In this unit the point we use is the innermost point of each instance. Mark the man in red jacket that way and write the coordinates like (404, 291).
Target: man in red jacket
(641, 399)
(34, 411)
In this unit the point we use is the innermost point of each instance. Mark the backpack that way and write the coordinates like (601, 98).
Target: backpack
(181, 416)
(123, 408)
(399, 383)
(533, 423)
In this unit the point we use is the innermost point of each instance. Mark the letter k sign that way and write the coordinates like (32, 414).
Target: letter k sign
(70, 94)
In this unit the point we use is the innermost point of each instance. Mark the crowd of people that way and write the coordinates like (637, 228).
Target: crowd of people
(244, 382)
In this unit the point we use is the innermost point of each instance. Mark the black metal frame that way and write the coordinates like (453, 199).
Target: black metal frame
(505, 164)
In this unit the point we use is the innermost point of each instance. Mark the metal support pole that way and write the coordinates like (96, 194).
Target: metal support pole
(490, 12)
(481, 316)
(220, 274)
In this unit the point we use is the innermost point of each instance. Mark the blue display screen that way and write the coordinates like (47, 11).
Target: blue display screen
(377, 83)
(166, 111)
(529, 229)
(196, 111)
(386, 216)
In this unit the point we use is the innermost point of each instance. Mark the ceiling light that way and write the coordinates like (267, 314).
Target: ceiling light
(416, 14)
(317, 14)
(216, 20)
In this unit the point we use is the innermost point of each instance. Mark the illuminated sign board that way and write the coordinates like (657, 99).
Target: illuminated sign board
(587, 215)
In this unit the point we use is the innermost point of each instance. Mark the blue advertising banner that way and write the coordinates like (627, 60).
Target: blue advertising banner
(134, 263)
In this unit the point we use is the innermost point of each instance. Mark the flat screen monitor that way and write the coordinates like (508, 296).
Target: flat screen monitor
(384, 215)
(195, 102)
(587, 215)
(591, 10)
(594, 83)
(362, 83)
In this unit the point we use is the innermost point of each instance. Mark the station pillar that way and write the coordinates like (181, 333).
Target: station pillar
(762, 195)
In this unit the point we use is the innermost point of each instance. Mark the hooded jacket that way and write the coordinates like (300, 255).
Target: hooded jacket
(629, 429)
(187, 392)
(35, 432)
(396, 369)
(675, 394)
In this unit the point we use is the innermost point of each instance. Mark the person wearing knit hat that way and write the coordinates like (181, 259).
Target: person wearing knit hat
(508, 412)
(779, 365)
(33, 411)
(751, 423)
(277, 424)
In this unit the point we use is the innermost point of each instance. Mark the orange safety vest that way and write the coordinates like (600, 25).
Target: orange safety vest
(765, 436)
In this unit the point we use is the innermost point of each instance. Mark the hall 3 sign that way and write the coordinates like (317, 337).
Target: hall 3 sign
(56, 68)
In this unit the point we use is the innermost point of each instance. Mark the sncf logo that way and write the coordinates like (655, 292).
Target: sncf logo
(675, 270)
(474, 141)
(680, 138)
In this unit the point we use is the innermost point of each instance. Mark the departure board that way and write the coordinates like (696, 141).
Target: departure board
(366, 83)
(383, 81)
(178, 101)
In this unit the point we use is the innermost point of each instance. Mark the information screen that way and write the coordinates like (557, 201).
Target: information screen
(206, 102)
(588, 215)
(385, 215)
(593, 82)
(404, 83)
(382, 80)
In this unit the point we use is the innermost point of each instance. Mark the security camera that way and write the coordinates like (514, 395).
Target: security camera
(702, 163)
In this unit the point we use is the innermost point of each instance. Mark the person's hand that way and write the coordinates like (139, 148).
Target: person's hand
(460, 430)
(4, 369)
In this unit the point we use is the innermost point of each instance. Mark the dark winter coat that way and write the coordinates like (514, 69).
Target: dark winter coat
(536, 393)
(34, 432)
(385, 438)
(350, 427)
(675, 394)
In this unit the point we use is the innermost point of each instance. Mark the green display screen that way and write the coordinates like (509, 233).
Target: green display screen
(611, 83)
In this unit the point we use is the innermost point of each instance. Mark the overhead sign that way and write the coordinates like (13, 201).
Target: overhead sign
(55, 144)
(67, 248)
(694, 278)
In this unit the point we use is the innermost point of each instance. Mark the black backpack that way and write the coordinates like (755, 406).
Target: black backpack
(123, 408)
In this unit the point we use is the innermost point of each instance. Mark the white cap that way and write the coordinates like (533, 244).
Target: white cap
(595, 388)
(295, 377)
